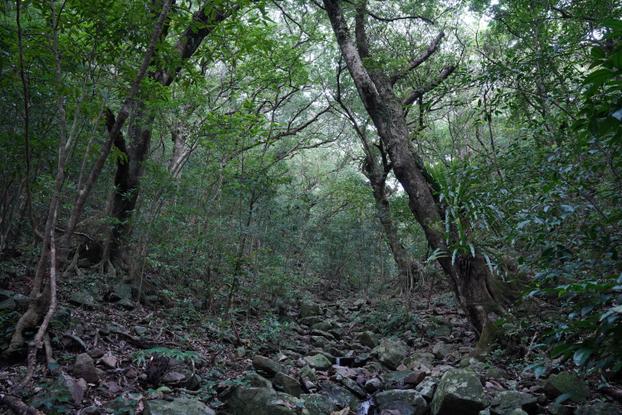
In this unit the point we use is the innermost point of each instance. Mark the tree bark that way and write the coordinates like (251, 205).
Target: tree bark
(128, 175)
(473, 283)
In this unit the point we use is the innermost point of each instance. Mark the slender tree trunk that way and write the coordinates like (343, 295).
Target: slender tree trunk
(473, 283)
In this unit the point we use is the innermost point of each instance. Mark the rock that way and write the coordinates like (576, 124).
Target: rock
(325, 325)
(318, 361)
(339, 395)
(391, 352)
(373, 385)
(76, 387)
(441, 350)
(405, 402)
(173, 378)
(309, 309)
(458, 393)
(420, 360)
(84, 367)
(566, 383)
(403, 379)
(140, 330)
(353, 387)
(368, 338)
(427, 388)
(109, 360)
(121, 291)
(598, 408)
(265, 366)
(82, 298)
(287, 384)
(261, 401)
(317, 404)
(258, 381)
(558, 409)
(126, 303)
(506, 401)
(178, 406)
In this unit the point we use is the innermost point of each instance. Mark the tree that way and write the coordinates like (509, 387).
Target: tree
(477, 290)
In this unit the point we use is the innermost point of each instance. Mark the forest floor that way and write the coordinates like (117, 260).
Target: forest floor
(344, 356)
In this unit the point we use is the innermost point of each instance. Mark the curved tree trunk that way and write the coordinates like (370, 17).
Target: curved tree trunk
(470, 277)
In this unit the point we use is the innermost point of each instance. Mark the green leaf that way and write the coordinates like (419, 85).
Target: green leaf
(582, 355)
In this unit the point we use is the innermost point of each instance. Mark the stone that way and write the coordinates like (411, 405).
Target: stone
(353, 387)
(341, 396)
(368, 338)
(318, 361)
(266, 366)
(287, 384)
(121, 291)
(507, 401)
(84, 367)
(403, 379)
(140, 330)
(404, 401)
(324, 325)
(109, 360)
(441, 350)
(391, 352)
(309, 309)
(566, 383)
(256, 380)
(458, 393)
(598, 408)
(261, 401)
(427, 388)
(178, 406)
(173, 378)
(318, 404)
(373, 385)
(126, 303)
(82, 298)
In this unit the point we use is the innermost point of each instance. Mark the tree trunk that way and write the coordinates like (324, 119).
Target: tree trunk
(471, 279)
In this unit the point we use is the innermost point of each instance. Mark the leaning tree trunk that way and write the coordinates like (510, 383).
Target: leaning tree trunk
(472, 281)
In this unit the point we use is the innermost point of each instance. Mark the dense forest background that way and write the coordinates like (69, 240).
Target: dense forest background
(226, 161)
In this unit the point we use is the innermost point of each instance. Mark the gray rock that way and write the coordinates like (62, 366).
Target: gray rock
(140, 330)
(505, 402)
(178, 406)
(261, 401)
(266, 366)
(287, 384)
(427, 388)
(458, 393)
(373, 385)
(318, 404)
(256, 380)
(341, 396)
(121, 291)
(84, 367)
(406, 402)
(83, 298)
(325, 325)
(390, 352)
(318, 361)
(441, 349)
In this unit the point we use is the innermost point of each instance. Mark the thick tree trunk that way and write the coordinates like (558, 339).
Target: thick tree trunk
(470, 277)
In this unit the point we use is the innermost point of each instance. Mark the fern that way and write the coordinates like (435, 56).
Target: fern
(142, 356)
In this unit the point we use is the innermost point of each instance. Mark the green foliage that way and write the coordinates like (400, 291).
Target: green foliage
(390, 317)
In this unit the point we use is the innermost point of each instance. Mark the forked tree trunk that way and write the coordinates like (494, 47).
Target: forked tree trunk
(472, 281)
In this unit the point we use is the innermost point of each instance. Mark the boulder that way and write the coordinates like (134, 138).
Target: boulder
(266, 366)
(82, 298)
(318, 361)
(390, 352)
(287, 384)
(368, 338)
(261, 401)
(441, 349)
(427, 388)
(178, 406)
(84, 367)
(318, 404)
(566, 383)
(458, 393)
(507, 401)
(341, 396)
(405, 402)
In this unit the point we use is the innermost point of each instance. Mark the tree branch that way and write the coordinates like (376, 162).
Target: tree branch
(419, 92)
(432, 48)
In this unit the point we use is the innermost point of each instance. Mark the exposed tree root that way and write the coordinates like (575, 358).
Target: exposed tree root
(17, 405)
